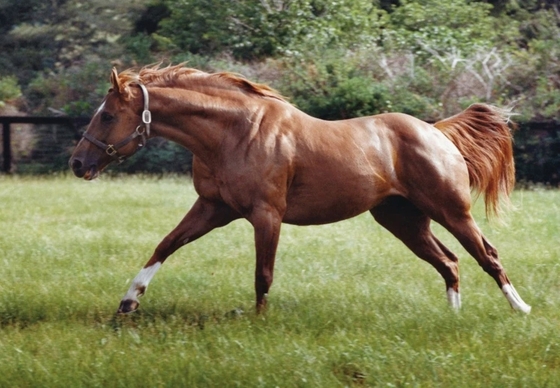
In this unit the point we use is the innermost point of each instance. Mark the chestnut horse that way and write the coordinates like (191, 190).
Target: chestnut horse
(258, 157)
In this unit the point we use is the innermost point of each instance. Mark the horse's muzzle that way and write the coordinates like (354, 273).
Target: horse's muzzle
(82, 170)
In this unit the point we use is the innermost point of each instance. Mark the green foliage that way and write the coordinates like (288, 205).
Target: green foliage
(57, 49)
(140, 46)
(547, 98)
(358, 96)
(537, 79)
(76, 91)
(339, 85)
(56, 35)
(196, 26)
(446, 39)
(427, 26)
(159, 157)
(254, 29)
(408, 95)
(9, 89)
(351, 97)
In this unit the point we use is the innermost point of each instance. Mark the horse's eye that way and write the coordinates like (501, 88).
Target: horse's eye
(106, 117)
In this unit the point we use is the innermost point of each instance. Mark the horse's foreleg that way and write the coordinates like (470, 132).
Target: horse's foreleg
(201, 219)
(412, 227)
(266, 223)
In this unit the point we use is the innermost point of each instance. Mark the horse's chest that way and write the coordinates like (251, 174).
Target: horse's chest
(239, 191)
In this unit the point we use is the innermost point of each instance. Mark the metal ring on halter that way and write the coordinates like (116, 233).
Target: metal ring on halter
(110, 150)
(146, 114)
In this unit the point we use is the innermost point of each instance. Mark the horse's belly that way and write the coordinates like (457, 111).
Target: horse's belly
(319, 216)
(327, 204)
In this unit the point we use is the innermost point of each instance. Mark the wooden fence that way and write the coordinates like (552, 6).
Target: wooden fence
(50, 141)
(74, 123)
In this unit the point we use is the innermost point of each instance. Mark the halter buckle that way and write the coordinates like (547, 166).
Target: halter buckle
(146, 117)
(111, 150)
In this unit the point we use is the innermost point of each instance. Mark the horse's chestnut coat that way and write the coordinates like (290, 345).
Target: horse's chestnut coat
(260, 158)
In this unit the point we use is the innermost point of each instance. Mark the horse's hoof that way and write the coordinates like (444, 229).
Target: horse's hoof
(128, 306)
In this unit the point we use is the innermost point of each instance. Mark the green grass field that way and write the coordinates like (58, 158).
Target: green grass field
(350, 306)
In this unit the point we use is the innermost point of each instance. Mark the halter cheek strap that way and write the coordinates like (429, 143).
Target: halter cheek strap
(143, 130)
(146, 114)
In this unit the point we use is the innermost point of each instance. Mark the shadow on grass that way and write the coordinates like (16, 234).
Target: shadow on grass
(196, 319)
(23, 315)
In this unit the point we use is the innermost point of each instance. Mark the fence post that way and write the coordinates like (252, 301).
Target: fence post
(6, 147)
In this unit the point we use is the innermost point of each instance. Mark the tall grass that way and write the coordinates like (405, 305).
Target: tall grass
(350, 306)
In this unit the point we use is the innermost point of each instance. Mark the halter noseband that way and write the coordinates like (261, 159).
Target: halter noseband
(142, 130)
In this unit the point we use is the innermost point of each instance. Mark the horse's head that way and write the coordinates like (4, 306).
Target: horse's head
(118, 129)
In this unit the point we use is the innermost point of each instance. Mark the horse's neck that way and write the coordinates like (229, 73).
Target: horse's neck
(195, 120)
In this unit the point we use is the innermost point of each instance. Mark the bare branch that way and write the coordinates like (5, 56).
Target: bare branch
(385, 66)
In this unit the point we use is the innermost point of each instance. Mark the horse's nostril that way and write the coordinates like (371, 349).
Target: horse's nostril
(76, 164)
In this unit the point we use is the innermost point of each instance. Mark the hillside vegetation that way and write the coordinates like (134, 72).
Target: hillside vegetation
(332, 59)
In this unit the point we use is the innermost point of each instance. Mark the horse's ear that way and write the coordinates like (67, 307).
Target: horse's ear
(115, 80)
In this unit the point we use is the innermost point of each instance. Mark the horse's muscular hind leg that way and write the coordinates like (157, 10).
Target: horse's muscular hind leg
(201, 219)
(468, 233)
(412, 227)
(491, 264)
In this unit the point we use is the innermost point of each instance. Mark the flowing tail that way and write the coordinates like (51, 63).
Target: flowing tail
(482, 135)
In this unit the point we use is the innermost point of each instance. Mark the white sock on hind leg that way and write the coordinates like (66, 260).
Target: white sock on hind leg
(454, 299)
(514, 299)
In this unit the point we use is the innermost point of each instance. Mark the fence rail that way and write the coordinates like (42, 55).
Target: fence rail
(39, 145)
(7, 121)
(42, 145)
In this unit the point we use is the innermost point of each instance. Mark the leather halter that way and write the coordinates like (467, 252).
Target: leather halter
(142, 130)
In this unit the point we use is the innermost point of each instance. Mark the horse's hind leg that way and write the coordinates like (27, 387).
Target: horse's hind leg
(203, 217)
(464, 228)
(412, 227)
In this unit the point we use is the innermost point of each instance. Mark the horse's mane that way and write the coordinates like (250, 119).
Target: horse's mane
(179, 75)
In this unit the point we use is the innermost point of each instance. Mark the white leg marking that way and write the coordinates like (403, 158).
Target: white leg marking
(514, 299)
(141, 281)
(454, 298)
